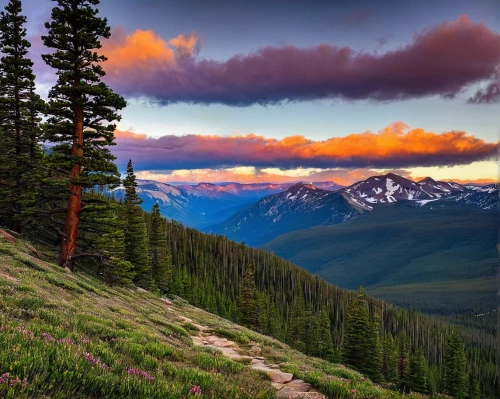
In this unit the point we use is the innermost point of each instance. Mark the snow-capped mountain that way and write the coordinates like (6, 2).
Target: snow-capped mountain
(304, 205)
(391, 188)
(199, 205)
(301, 206)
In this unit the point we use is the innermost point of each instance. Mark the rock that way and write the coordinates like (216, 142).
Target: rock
(277, 386)
(185, 319)
(299, 395)
(168, 302)
(260, 358)
(8, 237)
(140, 289)
(254, 351)
(31, 248)
(255, 361)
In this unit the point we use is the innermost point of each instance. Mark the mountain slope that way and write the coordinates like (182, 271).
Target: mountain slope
(398, 244)
(65, 335)
(299, 207)
(204, 204)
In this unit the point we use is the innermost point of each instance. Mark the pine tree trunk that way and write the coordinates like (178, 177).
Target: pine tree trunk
(68, 243)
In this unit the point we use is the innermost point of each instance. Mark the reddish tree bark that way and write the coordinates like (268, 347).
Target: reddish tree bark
(68, 243)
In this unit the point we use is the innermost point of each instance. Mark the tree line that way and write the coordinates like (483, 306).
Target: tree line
(57, 176)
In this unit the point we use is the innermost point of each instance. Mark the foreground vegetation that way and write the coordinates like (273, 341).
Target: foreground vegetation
(69, 335)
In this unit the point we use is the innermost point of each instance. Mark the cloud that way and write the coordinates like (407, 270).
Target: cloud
(441, 60)
(255, 175)
(396, 146)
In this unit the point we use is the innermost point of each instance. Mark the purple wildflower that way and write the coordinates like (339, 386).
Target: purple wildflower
(140, 373)
(95, 361)
(86, 340)
(48, 337)
(196, 390)
(4, 378)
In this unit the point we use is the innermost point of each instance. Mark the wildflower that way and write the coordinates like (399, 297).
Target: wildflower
(48, 337)
(14, 381)
(86, 340)
(196, 390)
(141, 373)
(25, 382)
(3, 328)
(4, 378)
(95, 361)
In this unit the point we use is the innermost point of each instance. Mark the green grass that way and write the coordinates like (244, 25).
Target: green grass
(65, 335)
(445, 254)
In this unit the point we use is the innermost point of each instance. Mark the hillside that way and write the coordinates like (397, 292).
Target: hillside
(436, 259)
(69, 335)
(299, 207)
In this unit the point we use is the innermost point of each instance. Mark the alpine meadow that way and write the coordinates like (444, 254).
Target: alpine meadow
(211, 199)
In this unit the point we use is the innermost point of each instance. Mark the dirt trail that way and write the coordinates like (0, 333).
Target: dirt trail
(287, 387)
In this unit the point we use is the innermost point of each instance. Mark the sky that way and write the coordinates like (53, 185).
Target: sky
(288, 90)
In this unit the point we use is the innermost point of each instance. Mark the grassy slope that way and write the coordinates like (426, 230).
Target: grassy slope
(406, 256)
(54, 325)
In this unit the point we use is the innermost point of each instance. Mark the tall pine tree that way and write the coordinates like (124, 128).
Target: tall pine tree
(247, 303)
(81, 109)
(136, 246)
(161, 261)
(455, 375)
(19, 118)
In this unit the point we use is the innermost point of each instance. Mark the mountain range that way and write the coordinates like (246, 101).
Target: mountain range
(203, 204)
(303, 206)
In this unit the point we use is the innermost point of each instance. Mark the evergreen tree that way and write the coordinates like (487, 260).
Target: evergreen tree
(136, 248)
(19, 120)
(356, 348)
(247, 305)
(403, 361)
(106, 238)
(81, 109)
(161, 261)
(390, 360)
(297, 322)
(474, 388)
(418, 372)
(325, 343)
(373, 360)
(455, 378)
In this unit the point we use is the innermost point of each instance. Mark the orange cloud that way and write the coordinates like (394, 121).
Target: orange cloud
(119, 134)
(138, 49)
(185, 44)
(473, 181)
(396, 146)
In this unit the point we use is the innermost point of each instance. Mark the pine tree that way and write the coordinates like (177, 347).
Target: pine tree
(356, 346)
(81, 109)
(136, 248)
(403, 361)
(390, 360)
(455, 379)
(161, 261)
(247, 305)
(325, 343)
(474, 388)
(19, 120)
(106, 238)
(418, 371)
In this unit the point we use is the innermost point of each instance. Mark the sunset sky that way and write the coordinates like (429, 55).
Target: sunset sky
(286, 90)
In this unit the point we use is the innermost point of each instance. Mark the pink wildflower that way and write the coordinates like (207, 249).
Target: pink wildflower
(196, 390)
(48, 337)
(140, 373)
